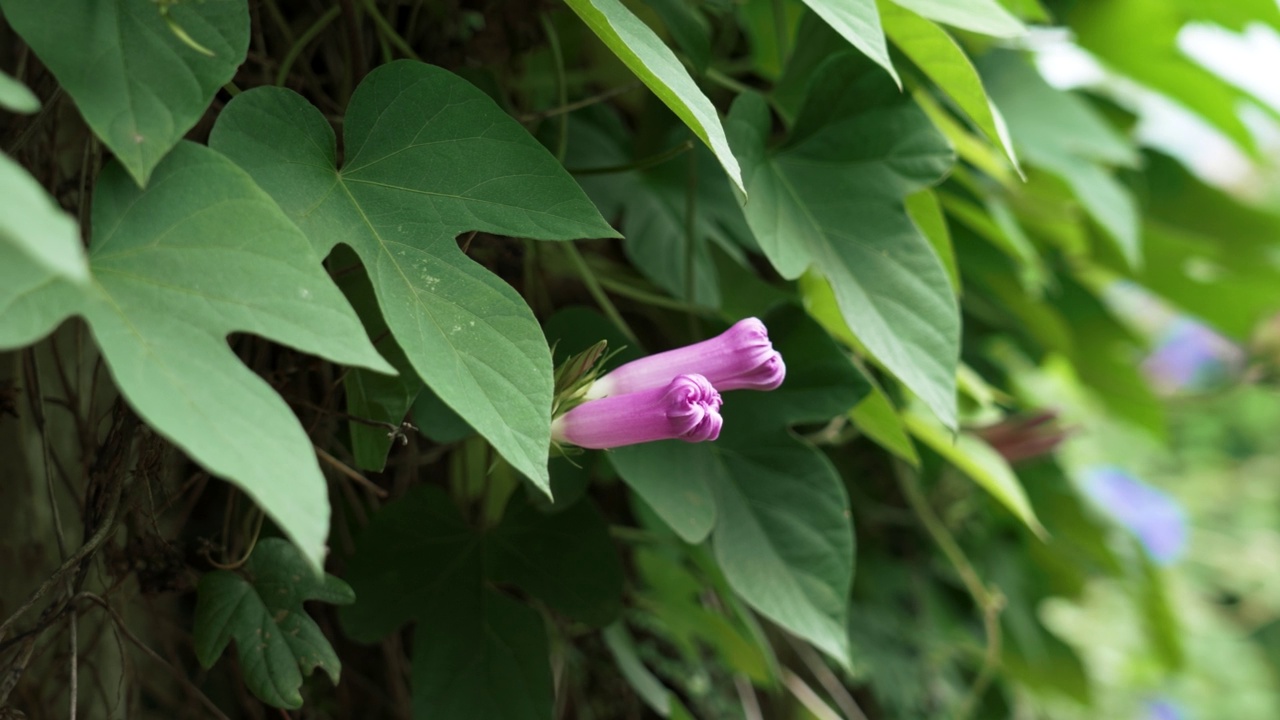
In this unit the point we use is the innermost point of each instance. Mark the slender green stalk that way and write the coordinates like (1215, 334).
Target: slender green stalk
(579, 104)
(641, 164)
(562, 89)
(305, 39)
(989, 601)
(388, 32)
(634, 293)
(597, 292)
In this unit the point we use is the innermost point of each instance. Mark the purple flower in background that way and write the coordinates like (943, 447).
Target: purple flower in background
(1163, 709)
(1150, 513)
(1191, 356)
(739, 358)
(687, 408)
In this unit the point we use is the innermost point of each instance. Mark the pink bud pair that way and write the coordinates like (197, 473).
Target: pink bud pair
(673, 394)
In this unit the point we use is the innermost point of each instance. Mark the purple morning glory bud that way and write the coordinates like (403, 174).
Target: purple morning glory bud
(687, 408)
(1191, 356)
(1149, 513)
(740, 358)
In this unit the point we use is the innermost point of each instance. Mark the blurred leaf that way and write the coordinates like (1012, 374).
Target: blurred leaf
(176, 268)
(942, 60)
(649, 688)
(427, 156)
(831, 199)
(276, 641)
(138, 85)
(1105, 357)
(675, 597)
(858, 21)
(1062, 134)
(34, 227)
(1139, 38)
(980, 462)
(659, 69)
(879, 419)
(1159, 615)
(980, 16)
(15, 97)
(1208, 253)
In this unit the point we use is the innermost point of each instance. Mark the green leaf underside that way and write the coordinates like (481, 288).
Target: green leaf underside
(661, 71)
(478, 654)
(276, 641)
(673, 478)
(175, 268)
(831, 199)
(858, 22)
(32, 225)
(139, 86)
(16, 97)
(981, 16)
(980, 462)
(428, 157)
(941, 58)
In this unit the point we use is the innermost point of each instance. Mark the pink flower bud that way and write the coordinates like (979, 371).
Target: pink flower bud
(739, 358)
(687, 408)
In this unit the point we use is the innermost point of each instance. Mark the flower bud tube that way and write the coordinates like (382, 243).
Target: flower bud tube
(740, 358)
(686, 408)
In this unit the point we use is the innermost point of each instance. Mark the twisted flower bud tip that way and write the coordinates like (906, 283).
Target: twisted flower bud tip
(686, 408)
(740, 358)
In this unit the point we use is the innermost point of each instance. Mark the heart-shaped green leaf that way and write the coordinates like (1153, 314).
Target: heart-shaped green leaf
(428, 157)
(139, 85)
(477, 653)
(261, 610)
(175, 268)
(831, 198)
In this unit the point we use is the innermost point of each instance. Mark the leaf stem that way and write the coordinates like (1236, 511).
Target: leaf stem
(579, 104)
(305, 39)
(386, 30)
(989, 600)
(633, 293)
(641, 164)
(597, 292)
(562, 90)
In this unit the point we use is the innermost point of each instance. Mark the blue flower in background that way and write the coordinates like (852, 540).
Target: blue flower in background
(1149, 513)
(1191, 356)
(1164, 709)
